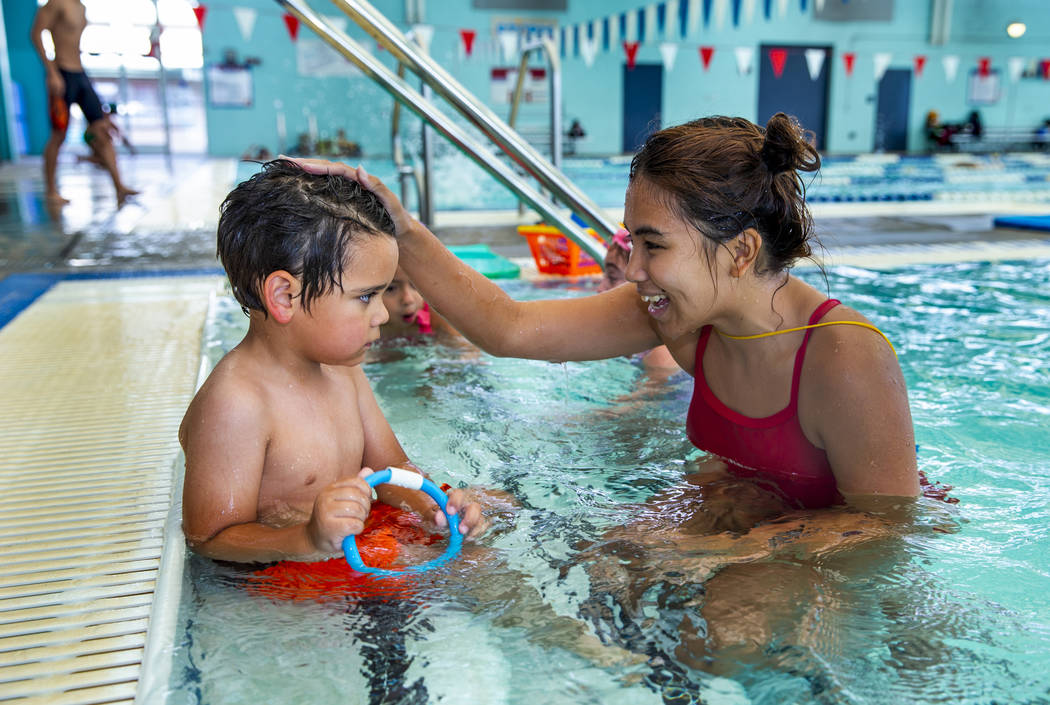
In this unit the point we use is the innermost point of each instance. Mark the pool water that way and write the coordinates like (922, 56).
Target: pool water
(954, 611)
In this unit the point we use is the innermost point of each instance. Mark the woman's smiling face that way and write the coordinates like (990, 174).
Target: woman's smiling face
(669, 261)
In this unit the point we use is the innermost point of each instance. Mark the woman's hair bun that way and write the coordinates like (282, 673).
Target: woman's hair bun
(787, 147)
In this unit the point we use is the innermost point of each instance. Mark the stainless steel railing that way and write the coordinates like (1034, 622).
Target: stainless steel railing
(478, 114)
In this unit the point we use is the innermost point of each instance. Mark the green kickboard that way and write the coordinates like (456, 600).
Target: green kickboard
(483, 259)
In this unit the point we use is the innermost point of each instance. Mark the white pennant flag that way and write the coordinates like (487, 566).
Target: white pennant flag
(614, 32)
(588, 49)
(719, 12)
(337, 21)
(630, 30)
(245, 17)
(951, 67)
(692, 17)
(815, 62)
(650, 24)
(820, 5)
(1015, 67)
(748, 14)
(881, 62)
(423, 34)
(744, 57)
(570, 39)
(671, 21)
(668, 50)
(508, 41)
(782, 8)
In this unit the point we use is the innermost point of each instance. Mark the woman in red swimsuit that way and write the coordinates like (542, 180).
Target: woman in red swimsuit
(792, 389)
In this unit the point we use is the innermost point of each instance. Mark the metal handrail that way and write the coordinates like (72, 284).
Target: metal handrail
(547, 47)
(494, 128)
(423, 107)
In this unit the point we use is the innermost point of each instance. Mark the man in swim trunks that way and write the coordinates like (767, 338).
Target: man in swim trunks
(67, 84)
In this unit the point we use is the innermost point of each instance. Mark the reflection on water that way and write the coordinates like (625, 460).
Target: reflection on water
(585, 596)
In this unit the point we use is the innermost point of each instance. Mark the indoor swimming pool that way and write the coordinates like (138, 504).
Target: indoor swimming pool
(460, 184)
(951, 608)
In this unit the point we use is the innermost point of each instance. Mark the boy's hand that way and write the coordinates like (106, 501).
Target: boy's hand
(339, 511)
(472, 523)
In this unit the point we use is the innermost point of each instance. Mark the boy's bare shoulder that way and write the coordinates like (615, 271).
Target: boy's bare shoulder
(233, 397)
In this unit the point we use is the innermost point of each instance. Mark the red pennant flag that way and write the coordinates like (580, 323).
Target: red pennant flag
(920, 63)
(631, 48)
(467, 35)
(984, 65)
(848, 58)
(292, 23)
(1044, 68)
(777, 57)
(705, 56)
(199, 11)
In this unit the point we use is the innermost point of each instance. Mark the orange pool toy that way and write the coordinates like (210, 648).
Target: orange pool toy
(386, 530)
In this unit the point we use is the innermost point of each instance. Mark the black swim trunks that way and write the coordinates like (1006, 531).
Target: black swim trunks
(80, 91)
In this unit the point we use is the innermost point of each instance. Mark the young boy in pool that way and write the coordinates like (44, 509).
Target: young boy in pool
(281, 435)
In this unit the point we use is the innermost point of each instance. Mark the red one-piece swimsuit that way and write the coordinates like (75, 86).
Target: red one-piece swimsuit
(771, 450)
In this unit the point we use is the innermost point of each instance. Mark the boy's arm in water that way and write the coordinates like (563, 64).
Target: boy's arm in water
(225, 435)
(589, 328)
(382, 450)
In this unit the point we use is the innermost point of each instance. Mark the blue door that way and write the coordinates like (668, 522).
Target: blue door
(891, 111)
(643, 90)
(795, 91)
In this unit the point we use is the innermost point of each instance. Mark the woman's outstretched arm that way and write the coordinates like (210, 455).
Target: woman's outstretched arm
(588, 328)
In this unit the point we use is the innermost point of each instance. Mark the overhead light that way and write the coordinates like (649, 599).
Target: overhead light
(1016, 29)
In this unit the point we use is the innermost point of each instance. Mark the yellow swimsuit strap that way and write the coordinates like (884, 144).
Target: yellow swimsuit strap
(812, 325)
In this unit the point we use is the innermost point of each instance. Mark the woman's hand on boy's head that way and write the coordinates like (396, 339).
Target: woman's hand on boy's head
(472, 523)
(401, 217)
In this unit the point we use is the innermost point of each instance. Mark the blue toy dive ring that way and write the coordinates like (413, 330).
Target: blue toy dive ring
(413, 481)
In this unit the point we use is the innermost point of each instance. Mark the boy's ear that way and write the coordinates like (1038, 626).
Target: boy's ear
(745, 248)
(279, 292)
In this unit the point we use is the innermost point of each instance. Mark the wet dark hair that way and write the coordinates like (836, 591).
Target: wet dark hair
(286, 218)
(726, 174)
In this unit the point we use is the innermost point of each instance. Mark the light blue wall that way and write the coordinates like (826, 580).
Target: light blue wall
(593, 94)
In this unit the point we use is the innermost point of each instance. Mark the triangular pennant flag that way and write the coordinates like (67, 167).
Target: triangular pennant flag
(721, 8)
(707, 10)
(777, 57)
(1044, 68)
(245, 17)
(292, 23)
(467, 37)
(782, 8)
(423, 33)
(199, 13)
(736, 13)
(767, 9)
(631, 49)
(744, 57)
(984, 65)
(819, 4)
(1015, 67)
(508, 42)
(881, 62)
(815, 62)
(588, 50)
(920, 63)
(705, 56)
(951, 67)
(629, 23)
(749, 11)
(336, 21)
(648, 29)
(849, 58)
(668, 52)
(671, 27)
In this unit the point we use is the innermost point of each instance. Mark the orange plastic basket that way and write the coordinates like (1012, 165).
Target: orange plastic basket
(556, 254)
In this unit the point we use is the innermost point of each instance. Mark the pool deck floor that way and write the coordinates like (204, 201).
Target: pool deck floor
(101, 312)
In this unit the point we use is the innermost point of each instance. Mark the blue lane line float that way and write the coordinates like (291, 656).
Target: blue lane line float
(413, 481)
